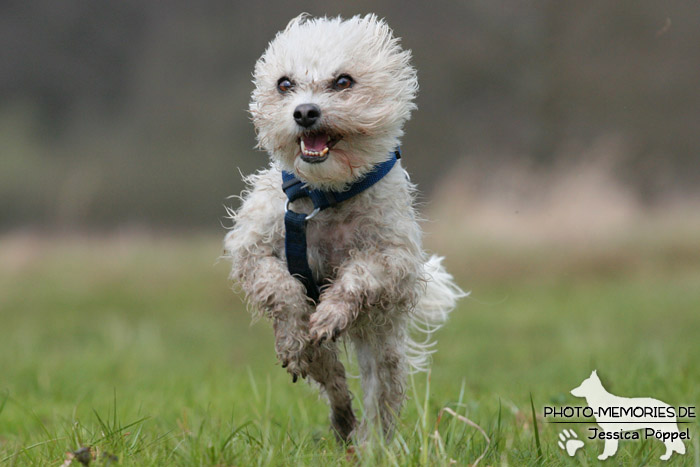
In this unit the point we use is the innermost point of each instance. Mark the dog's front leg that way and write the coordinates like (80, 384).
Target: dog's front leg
(252, 246)
(366, 280)
(271, 289)
(381, 282)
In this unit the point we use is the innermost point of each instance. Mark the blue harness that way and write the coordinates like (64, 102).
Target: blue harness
(295, 223)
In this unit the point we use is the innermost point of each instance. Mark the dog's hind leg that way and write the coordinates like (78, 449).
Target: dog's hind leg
(329, 372)
(381, 357)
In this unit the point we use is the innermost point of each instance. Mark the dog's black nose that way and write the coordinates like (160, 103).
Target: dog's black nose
(307, 114)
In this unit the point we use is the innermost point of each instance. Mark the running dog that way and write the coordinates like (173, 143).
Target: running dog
(326, 243)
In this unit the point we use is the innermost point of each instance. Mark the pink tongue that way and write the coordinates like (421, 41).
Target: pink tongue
(316, 142)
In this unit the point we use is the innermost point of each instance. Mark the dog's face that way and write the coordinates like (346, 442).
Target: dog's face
(589, 386)
(331, 97)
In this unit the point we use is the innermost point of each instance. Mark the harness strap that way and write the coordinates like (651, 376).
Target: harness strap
(295, 223)
(295, 249)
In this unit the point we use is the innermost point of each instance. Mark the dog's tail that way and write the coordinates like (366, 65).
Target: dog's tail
(439, 295)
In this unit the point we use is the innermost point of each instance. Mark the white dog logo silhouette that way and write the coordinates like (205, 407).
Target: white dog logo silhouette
(617, 415)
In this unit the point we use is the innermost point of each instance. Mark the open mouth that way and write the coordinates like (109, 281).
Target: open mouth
(316, 146)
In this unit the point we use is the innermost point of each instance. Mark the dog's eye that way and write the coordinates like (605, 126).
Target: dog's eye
(284, 85)
(343, 82)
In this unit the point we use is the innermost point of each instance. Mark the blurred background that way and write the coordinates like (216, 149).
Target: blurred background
(556, 146)
(133, 113)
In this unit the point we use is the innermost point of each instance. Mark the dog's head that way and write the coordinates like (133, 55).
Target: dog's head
(331, 97)
(590, 386)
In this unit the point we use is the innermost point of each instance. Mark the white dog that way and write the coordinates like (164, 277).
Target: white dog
(336, 252)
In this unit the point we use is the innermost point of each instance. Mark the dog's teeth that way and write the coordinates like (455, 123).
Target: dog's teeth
(311, 152)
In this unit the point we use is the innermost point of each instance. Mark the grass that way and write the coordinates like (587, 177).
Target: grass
(135, 347)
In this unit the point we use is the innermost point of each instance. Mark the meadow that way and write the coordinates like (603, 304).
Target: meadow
(135, 346)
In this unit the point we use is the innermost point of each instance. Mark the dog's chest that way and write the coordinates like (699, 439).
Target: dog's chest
(329, 242)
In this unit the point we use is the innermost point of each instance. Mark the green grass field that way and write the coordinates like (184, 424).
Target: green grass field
(136, 347)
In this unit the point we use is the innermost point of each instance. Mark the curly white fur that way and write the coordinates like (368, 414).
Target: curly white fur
(379, 284)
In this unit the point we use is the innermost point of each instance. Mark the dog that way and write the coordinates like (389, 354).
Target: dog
(616, 415)
(335, 253)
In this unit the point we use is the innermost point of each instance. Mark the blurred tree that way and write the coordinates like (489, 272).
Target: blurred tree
(135, 111)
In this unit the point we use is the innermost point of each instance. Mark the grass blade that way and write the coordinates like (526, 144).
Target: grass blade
(537, 431)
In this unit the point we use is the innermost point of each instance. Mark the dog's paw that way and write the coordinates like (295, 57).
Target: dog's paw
(296, 368)
(292, 350)
(296, 362)
(327, 322)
